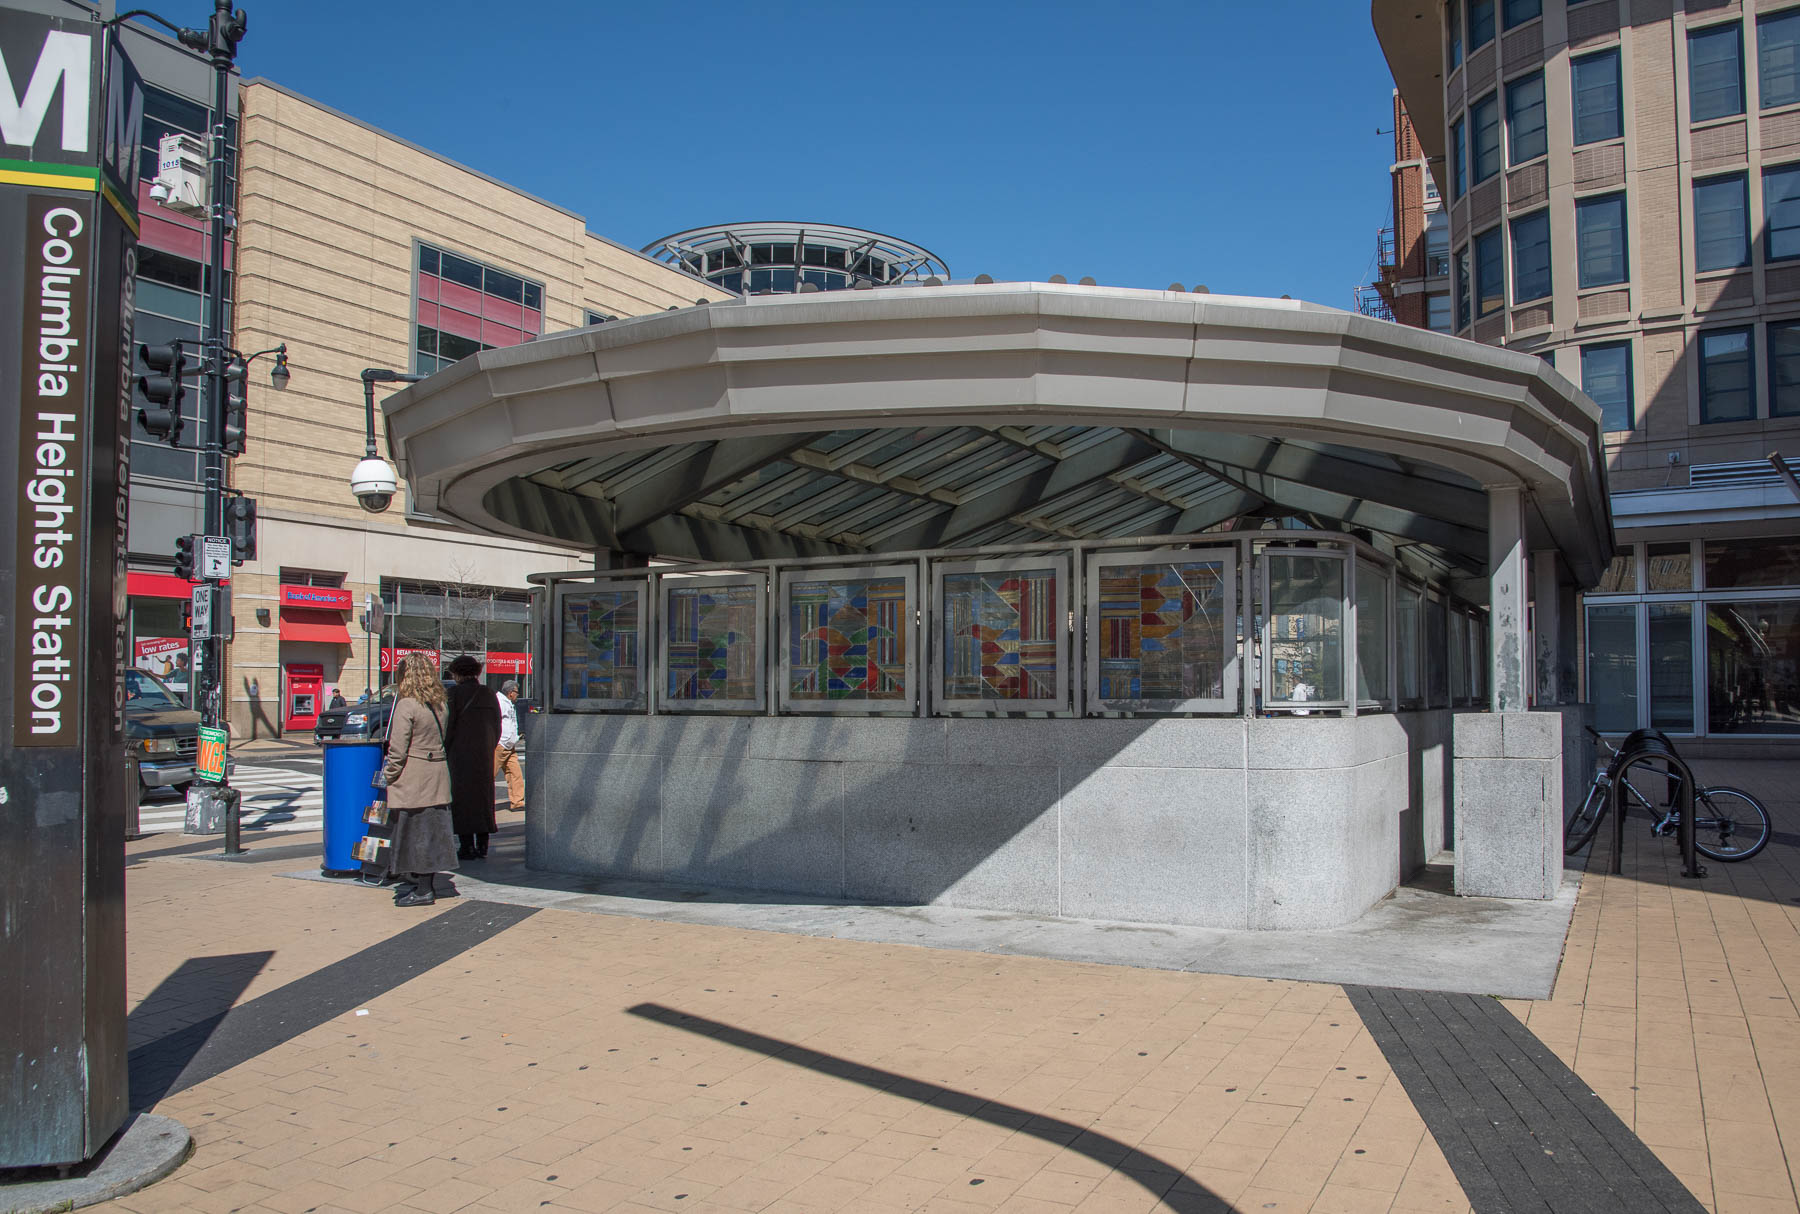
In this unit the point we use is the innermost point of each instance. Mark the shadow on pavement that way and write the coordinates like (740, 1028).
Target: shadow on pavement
(1174, 1188)
(175, 1021)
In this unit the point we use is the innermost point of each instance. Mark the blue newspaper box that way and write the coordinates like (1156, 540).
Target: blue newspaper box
(350, 767)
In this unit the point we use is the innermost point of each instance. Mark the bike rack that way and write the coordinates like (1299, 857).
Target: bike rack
(1642, 748)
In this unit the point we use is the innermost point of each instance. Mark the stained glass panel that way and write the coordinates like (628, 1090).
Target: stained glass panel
(710, 632)
(999, 634)
(847, 639)
(601, 646)
(1161, 631)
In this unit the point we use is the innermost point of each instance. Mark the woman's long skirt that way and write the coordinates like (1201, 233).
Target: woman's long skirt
(423, 841)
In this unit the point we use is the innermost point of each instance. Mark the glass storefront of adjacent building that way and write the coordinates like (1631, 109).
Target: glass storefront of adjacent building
(446, 620)
(1699, 637)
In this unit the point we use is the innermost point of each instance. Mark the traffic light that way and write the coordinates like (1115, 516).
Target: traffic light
(240, 525)
(237, 418)
(184, 557)
(163, 388)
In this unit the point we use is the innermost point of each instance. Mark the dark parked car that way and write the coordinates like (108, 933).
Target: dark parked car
(162, 732)
(367, 719)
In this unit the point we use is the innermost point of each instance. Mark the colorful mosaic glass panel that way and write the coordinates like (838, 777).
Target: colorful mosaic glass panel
(600, 638)
(711, 639)
(1161, 631)
(999, 635)
(847, 640)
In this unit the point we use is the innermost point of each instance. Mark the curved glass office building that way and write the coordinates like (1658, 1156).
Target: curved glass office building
(781, 257)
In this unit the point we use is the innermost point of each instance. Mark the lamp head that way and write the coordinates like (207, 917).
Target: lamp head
(278, 374)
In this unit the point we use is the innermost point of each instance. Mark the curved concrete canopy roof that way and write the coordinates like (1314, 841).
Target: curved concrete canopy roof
(905, 418)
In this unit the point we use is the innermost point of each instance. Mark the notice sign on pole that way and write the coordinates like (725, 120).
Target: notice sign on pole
(215, 558)
(210, 763)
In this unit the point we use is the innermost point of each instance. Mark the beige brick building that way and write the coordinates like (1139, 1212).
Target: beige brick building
(1622, 179)
(358, 249)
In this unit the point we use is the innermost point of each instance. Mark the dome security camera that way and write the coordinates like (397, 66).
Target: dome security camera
(373, 484)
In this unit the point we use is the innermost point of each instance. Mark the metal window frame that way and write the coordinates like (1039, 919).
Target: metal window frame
(1346, 622)
(667, 588)
(646, 632)
(783, 656)
(1227, 559)
(1058, 565)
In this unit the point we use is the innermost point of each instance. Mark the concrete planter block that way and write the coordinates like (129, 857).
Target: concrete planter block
(1532, 735)
(1478, 735)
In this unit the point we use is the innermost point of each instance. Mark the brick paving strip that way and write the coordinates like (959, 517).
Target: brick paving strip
(1520, 1129)
(197, 1051)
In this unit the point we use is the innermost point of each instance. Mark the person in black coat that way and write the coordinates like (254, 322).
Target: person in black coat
(470, 736)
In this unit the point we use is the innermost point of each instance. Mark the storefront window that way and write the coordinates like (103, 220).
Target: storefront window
(1753, 667)
(158, 642)
(1305, 653)
(1738, 564)
(1672, 666)
(1612, 666)
(1671, 567)
(1372, 595)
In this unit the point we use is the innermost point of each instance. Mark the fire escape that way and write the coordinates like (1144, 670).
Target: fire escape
(1376, 299)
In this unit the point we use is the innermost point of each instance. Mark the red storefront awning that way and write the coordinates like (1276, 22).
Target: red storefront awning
(313, 624)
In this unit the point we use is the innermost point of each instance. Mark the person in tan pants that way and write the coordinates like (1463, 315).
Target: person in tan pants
(506, 757)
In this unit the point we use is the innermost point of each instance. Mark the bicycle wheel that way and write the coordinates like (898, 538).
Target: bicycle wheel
(1729, 824)
(1580, 827)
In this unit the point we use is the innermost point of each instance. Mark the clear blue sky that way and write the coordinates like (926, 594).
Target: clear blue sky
(1141, 143)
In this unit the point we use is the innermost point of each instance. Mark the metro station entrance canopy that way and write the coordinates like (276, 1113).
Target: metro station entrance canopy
(927, 417)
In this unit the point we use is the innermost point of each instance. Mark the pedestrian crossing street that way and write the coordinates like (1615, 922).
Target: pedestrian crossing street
(271, 799)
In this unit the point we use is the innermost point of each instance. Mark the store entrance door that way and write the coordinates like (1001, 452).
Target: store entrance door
(305, 687)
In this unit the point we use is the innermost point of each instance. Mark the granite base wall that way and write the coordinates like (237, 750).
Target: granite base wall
(1268, 823)
(1510, 783)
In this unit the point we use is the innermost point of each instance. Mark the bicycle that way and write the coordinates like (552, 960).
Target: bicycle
(1729, 823)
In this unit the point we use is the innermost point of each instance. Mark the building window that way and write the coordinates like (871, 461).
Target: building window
(1781, 211)
(1490, 272)
(1484, 116)
(1531, 257)
(1600, 241)
(1606, 376)
(1715, 72)
(1454, 20)
(1437, 312)
(1599, 98)
(1612, 666)
(1464, 314)
(1518, 12)
(464, 307)
(1721, 223)
(1784, 369)
(598, 318)
(1778, 58)
(1437, 244)
(1525, 118)
(1459, 158)
(1727, 376)
(1481, 23)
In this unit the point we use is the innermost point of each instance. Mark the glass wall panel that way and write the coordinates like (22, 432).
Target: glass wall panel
(1671, 567)
(1437, 657)
(1305, 648)
(1459, 657)
(1002, 636)
(848, 634)
(1612, 666)
(599, 647)
(1672, 666)
(1753, 667)
(1373, 594)
(1621, 575)
(1162, 631)
(712, 644)
(1406, 644)
(1752, 562)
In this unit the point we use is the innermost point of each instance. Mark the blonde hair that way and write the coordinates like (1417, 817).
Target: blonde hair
(419, 681)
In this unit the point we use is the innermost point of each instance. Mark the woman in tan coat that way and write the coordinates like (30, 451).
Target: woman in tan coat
(418, 783)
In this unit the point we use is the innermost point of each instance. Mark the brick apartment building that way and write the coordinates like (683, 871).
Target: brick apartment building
(1621, 186)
